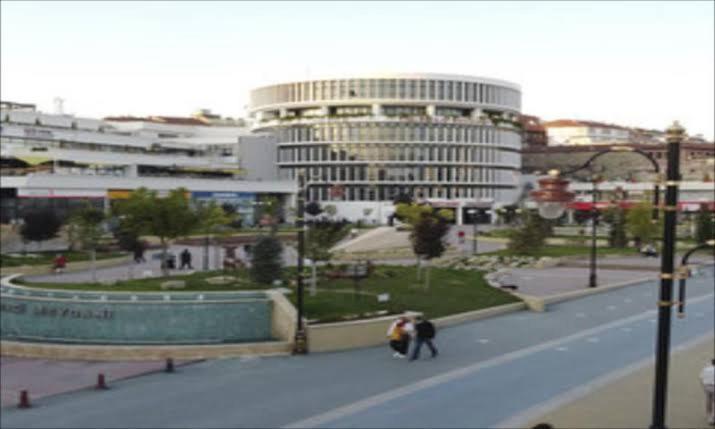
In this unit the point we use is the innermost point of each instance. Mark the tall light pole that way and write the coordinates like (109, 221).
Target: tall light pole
(300, 343)
(675, 136)
(473, 213)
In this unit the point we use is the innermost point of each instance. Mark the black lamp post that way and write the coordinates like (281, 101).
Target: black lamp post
(474, 213)
(552, 198)
(300, 343)
(675, 136)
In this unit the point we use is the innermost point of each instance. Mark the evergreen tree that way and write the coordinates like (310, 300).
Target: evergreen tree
(704, 225)
(267, 262)
(40, 225)
(531, 235)
(616, 217)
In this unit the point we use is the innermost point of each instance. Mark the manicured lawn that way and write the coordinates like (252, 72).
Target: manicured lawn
(45, 258)
(450, 292)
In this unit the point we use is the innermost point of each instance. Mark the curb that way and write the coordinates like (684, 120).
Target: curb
(539, 303)
(140, 352)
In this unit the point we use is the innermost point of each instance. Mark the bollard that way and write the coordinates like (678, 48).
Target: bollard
(24, 400)
(101, 384)
(169, 365)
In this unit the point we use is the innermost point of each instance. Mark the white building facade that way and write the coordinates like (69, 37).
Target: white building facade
(63, 162)
(449, 140)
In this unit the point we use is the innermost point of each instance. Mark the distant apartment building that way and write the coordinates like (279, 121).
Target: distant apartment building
(63, 161)
(533, 131)
(570, 132)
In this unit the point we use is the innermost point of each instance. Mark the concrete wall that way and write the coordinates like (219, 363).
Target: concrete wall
(284, 317)
(350, 335)
(257, 156)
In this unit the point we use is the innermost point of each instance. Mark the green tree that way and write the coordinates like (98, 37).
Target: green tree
(330, 210)
(530, 236)
(313, 208)
(321, 237)
(269, 212)
(704, 225)
(168, 218)
(267, 262)
(639, 222)
(212, 221)
(87, 223)
(429, 227)
(615, 217)
(40, 225)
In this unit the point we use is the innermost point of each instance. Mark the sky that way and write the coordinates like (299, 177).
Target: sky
(631, 63)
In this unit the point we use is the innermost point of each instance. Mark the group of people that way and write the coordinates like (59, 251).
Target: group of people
(401, 332)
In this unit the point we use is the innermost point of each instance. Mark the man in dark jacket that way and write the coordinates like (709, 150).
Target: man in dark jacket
(425, 332)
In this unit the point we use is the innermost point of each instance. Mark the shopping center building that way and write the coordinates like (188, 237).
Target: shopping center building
(449, 140)
(61, 161)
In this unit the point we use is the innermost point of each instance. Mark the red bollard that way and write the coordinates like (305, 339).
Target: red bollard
(24, 400)
(101, 384)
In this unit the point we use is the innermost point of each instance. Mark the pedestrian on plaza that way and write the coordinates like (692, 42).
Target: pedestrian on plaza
(139, 248)
(707, 378)
(186, 260)
(399, 337)
(425, 333)
(59, 263)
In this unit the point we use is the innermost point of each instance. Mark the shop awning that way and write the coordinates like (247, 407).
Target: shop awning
(33, 159)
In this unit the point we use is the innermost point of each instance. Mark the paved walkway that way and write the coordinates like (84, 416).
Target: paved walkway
(43, 378)
(686, 401)
(487, 373)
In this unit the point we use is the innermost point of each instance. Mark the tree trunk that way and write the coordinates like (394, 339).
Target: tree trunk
(217, 254)
(93, 256)
(419, 269)
(164, 262)
(427, 272)
(313, 280)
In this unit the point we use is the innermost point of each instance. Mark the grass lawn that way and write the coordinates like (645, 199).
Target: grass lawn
(45, 258)
(451, 291)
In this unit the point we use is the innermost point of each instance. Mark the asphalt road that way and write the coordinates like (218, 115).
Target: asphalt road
(488, 373)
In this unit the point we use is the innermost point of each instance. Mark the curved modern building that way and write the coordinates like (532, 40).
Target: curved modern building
(451, 140)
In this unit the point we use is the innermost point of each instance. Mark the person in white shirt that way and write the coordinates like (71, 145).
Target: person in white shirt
(707, 378)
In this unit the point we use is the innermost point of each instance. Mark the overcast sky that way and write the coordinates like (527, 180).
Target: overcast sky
(631, 63)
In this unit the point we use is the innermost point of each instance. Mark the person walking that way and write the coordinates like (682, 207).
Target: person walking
(425, 334)
(59, 263)
(186, 260)
(707, 378)
(397, 333)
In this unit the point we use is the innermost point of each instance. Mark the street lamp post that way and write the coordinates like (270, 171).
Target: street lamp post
(592, 282)
(473, 213)
(300, 345)
(552, 198)
(675, 136)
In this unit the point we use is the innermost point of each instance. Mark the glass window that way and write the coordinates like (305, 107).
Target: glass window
(432, 94)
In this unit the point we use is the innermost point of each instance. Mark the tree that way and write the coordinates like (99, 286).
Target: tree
(40, 225)
(330, 210)
(269, 212)
(211, 220)
(639, 223)
(267, 263)
(429, 227)
(87, 223)
(321, 237)
(704, 225)
(530, 236)
(167, 218)
(313, 208)
(616, 218)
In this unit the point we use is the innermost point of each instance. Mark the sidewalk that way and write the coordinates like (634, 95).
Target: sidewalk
(629, 398)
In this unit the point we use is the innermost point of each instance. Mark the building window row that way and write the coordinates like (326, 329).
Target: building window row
(397, 132)
(404, 89)
(381, 174)
(386, 153)
(389, 192)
